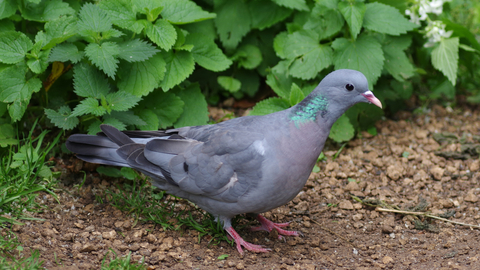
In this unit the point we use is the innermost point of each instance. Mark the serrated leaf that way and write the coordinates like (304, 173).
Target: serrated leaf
(122, 14)
(310, 64)
(279, 44)
(46, 10)
(94, 127)
(183, 12)
(108, 120)
(229, 83)
(121, 101)
(270, 105)
(104, 56)
(329, 4)
(293, 4)
(195, 110)
(150, 119)
(136, 50)
(342, 130)
(59, 30)
(180, 65)
(89, 82)
(93, 20)
(162, 33)
(279, 80)
(445, 58)
(14, 87)
(206, 53)
(7, 8)
(13, 47)
(65, 52)
(353, 12)
(87, 106)
(140, 78)
(386, 19)
(39, 64)
(396, 61)
(265, 13)
(296, 95)
(233, 21)
(62, 118)
(128, 118)
(325, 22)
(248, 56)
(364, 54)
(300, 43)
(167, 106)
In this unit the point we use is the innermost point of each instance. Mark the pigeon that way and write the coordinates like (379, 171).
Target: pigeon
(247, 165)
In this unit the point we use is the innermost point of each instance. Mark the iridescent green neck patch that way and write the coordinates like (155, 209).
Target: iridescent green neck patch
(308, 109)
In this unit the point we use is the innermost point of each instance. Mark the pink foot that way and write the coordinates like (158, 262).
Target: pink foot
(240, 242)
(268, 226)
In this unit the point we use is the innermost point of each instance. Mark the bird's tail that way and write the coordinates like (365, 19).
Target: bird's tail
(100, 149)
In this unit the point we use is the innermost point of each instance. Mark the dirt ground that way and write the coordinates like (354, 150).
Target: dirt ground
(433, 156)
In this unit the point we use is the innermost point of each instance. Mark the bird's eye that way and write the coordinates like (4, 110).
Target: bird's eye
(349, 87)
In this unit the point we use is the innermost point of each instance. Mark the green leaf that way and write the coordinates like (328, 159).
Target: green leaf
(121, 100)
(365, 55)
(183, 12)
(195, 111)
(140, 78)
(128, 118)
(104, 56)
(342, 130)
(13, 47)
(93, 20)
(293, 4)
(300, 43)
(206, 53)
(40, 63)
(14, 87)
(386, 19)
(46, 10)
(445, 58)
(396, 61)
(229, 83)
(167, 106)
(250, 81)
(248, 56)
(279, 44)
(270, 105)
(136, 50)
(122, 14)
(62, 118)
(65, 52)
(108, 120)
(6, 25)
(7, 8)
(180, 65)
(279, 80)
(87, 106)
(129, 173)
(17, 109)
(296, 95)
(310, 64)
(59, 30)
(326, 22)
(110, 171)
(462, 31)
(150, 119)
(233, 21)
(94, 127)
(162, 33)
(265, 13)
(353, 13)
(89, 82)
(403, 89)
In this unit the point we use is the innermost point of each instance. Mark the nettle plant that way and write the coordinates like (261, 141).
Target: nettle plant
(153, 64)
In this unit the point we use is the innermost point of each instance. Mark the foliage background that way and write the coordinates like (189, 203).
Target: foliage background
(153, 64)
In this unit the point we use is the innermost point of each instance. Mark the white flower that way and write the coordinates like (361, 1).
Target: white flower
(435, 32)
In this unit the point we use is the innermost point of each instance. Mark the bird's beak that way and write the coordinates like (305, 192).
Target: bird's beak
(369, 95)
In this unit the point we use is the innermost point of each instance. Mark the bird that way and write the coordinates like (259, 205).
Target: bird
(246, 165)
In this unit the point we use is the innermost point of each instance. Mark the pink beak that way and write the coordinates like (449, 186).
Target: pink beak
(369, 95)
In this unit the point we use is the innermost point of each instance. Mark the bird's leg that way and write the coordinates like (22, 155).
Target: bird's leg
(268, 226)
(240, 242)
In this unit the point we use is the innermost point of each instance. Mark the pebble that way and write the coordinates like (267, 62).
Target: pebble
(346, 205)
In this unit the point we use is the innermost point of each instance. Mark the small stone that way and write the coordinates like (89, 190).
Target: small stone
(387, 229)
(109, 235)
(134, 247)
(394, 172)
(47, 232)
(347, 205)
(68, 237)
(138, 234)
(79, 225)
(421, 134)
(351, 186)
(387, 260)
(332, 166)
(437, 173)
(90, 228)
(151, 238)
(240, 265)
(357, 217)
(470, 197)
(88, 247)
(475, 166)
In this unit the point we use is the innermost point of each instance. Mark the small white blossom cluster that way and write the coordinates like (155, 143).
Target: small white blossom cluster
(435, 30)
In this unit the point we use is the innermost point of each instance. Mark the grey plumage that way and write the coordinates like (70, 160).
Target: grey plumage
(249, 164)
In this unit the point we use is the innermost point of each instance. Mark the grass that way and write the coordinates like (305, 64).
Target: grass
(24, 172)
(122, 263)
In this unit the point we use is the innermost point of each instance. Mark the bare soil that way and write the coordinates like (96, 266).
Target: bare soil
(400, 166)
